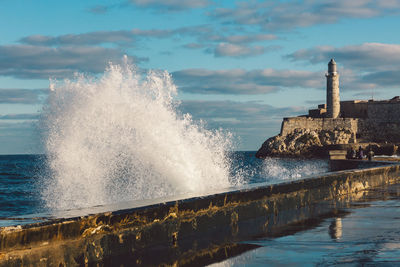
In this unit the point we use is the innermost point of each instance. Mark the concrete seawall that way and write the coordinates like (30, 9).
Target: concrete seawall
(191, 230)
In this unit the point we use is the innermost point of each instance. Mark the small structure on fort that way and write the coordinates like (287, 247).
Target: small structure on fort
(337, 123)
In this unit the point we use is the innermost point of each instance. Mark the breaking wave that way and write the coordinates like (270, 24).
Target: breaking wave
(279, 170)
(119, 137)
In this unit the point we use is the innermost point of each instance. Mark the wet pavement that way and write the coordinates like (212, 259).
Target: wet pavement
(366, 233)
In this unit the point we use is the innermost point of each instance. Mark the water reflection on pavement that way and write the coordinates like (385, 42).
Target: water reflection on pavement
(365, 234)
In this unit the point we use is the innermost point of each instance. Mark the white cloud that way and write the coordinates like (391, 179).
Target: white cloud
(242, 39)
(221, 45)
(22, 96)
(365, 66)
(95, 38)
(238, 81)
(42, 62)
(126, 38)
(22, 116)
(277, 15)
(233, 50)
(366, 57)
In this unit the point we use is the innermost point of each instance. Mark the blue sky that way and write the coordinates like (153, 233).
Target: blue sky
(238, 65)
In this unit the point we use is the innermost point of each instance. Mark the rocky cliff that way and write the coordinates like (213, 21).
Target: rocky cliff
(304, 142)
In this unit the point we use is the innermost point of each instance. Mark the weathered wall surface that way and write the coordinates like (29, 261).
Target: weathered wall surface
(384, 127)
(384, 111)
(307, 137)
(182, 232)
(378, 111)
(328, 124)
(354, 109)
(378, 131)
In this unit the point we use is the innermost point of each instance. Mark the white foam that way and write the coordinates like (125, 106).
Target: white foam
(277, 169)
(118, 137)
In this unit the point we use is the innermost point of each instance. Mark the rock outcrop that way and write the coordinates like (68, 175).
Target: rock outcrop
(304, 142)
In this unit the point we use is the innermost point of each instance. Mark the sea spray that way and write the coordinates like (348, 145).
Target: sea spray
(281, 169)
(119, 137)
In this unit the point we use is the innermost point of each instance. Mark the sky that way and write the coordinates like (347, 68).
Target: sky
(238, 65)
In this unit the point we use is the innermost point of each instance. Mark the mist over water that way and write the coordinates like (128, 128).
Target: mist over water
(276, 169)
(119, 137)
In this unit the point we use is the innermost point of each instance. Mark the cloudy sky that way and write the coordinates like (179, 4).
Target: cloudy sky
(238, 65)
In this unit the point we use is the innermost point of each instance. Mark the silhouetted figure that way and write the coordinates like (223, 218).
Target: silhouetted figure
(348, 154)
(360, 153)
(370, 154)
(353, 153)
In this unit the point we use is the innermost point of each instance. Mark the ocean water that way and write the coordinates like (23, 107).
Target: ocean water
(121, 137)
(19, 194)
(22, 182)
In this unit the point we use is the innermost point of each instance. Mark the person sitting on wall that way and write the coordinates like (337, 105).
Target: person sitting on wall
(353, 153)
(370, 154)
(360, 153)
(349, 153)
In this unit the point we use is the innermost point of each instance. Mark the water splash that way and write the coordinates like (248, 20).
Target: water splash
(280, 170)
(119, 137)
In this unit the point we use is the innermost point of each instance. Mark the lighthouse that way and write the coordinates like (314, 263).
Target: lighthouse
(332, 91)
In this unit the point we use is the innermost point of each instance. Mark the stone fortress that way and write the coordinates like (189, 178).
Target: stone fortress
(355, 123)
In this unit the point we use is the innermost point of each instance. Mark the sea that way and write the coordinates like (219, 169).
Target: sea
(24, 181)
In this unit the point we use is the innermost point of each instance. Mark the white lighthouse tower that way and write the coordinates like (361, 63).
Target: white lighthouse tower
(332, 91)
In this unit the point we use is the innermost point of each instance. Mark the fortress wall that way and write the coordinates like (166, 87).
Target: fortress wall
(354, 109)
(377, 110)
(329, 124)
(181, 231)
(384, 111)
(382, 128)
(374, 130)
